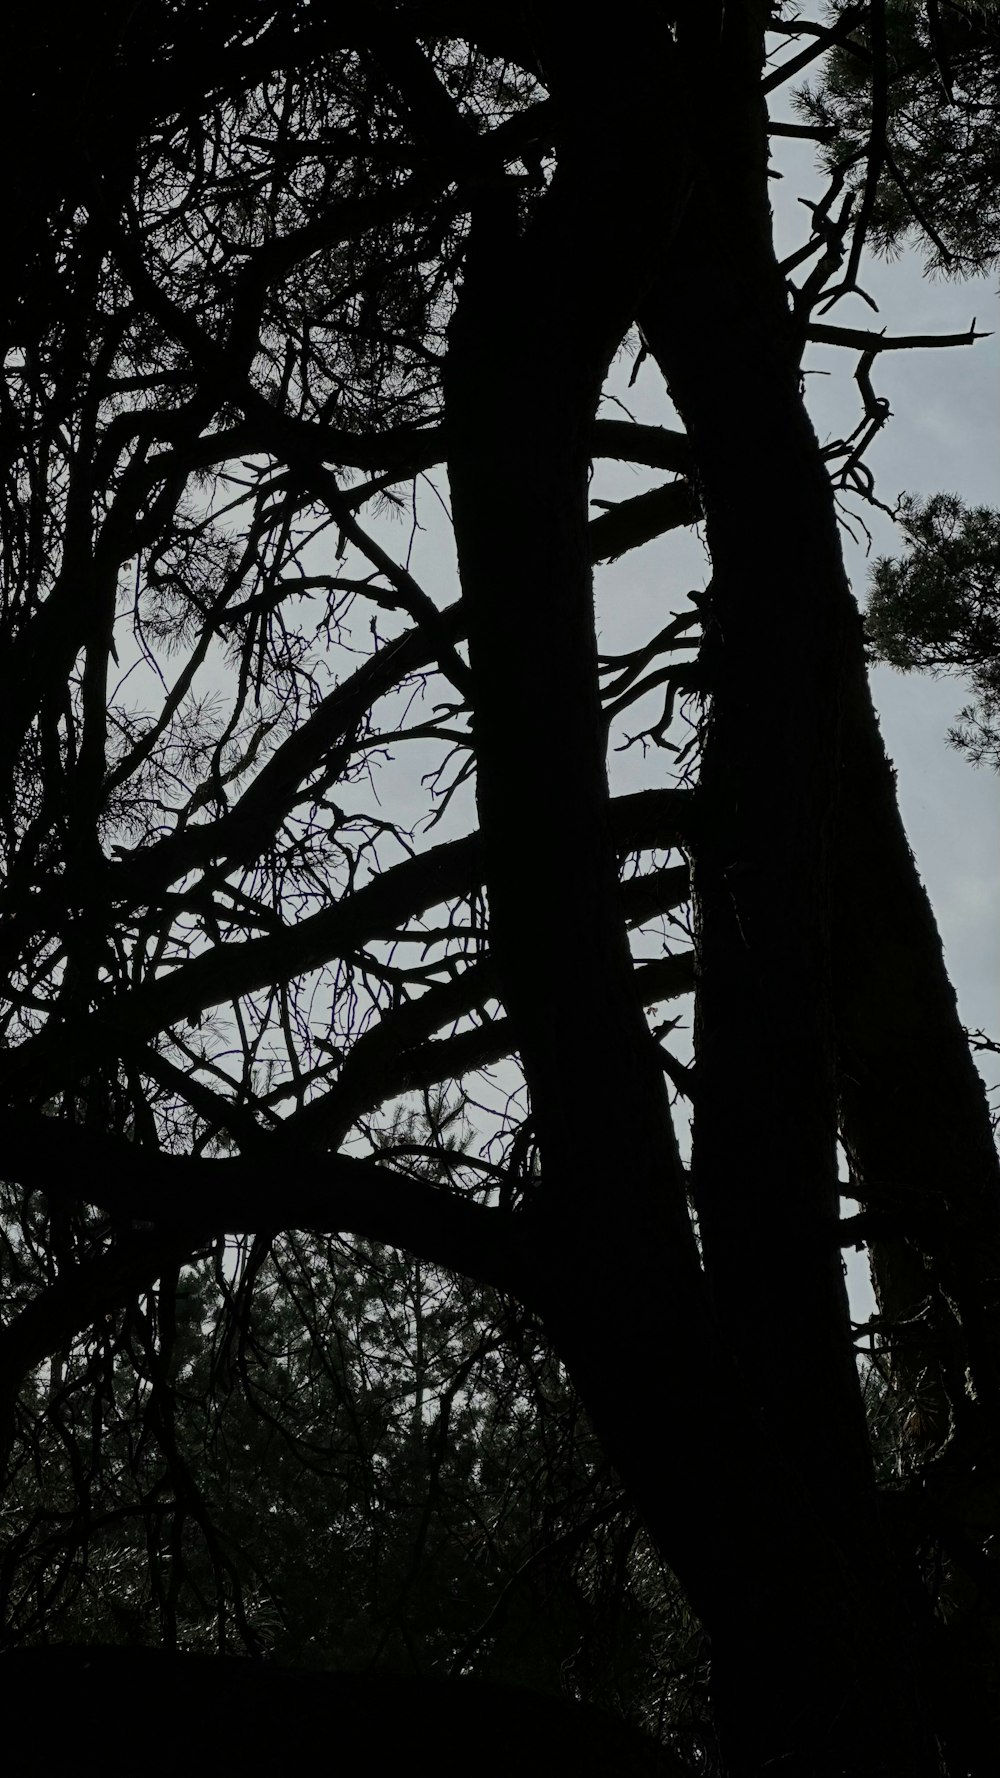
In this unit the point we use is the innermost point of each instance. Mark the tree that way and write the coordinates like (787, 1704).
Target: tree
(336, 1409)
(274, 267)
(927, 77)
(938, 608)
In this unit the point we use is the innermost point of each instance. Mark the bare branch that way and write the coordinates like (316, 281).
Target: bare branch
(330, 1193)
(820, 334)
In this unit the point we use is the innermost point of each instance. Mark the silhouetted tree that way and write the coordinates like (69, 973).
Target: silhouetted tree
(341, 1456)
(937, 608)
(923, 83)
(276, 267)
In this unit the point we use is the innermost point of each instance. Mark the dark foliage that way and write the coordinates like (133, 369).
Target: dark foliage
(937, 609)
(915, 96)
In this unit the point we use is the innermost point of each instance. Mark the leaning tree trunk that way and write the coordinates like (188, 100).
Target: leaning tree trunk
(539, 317)
(912, 1110)
(811, 1656)
(780, 627)
(916, 1126)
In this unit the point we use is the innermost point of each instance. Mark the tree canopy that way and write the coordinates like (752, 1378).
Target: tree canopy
(353, 1167)
(926, 77)
(938, 609)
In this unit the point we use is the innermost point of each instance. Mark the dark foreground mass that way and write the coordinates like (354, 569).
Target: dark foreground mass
(125, 1711)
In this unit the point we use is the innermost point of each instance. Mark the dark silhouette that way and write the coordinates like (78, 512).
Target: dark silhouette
(137, 1710)
(269, 269)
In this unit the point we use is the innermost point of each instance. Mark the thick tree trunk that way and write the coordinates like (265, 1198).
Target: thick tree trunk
(842, 927)
(529, 346)
(781, 630)
(914, 1111)
(787, 1567)
(915, 1122)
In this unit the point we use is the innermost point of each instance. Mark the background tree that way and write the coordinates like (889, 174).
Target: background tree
(350, 1460)
(926, 77)
(275, 271)
(938, 608)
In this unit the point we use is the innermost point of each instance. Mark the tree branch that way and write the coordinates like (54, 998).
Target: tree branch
(281, 1186)
(820, 334)
(826, 38)
(375, 911)
(632, 522)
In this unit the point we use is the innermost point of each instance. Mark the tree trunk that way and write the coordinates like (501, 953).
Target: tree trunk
(530, 343)
(803, 1627)
(811, 1649)
(914, 1111)
(819, 962)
